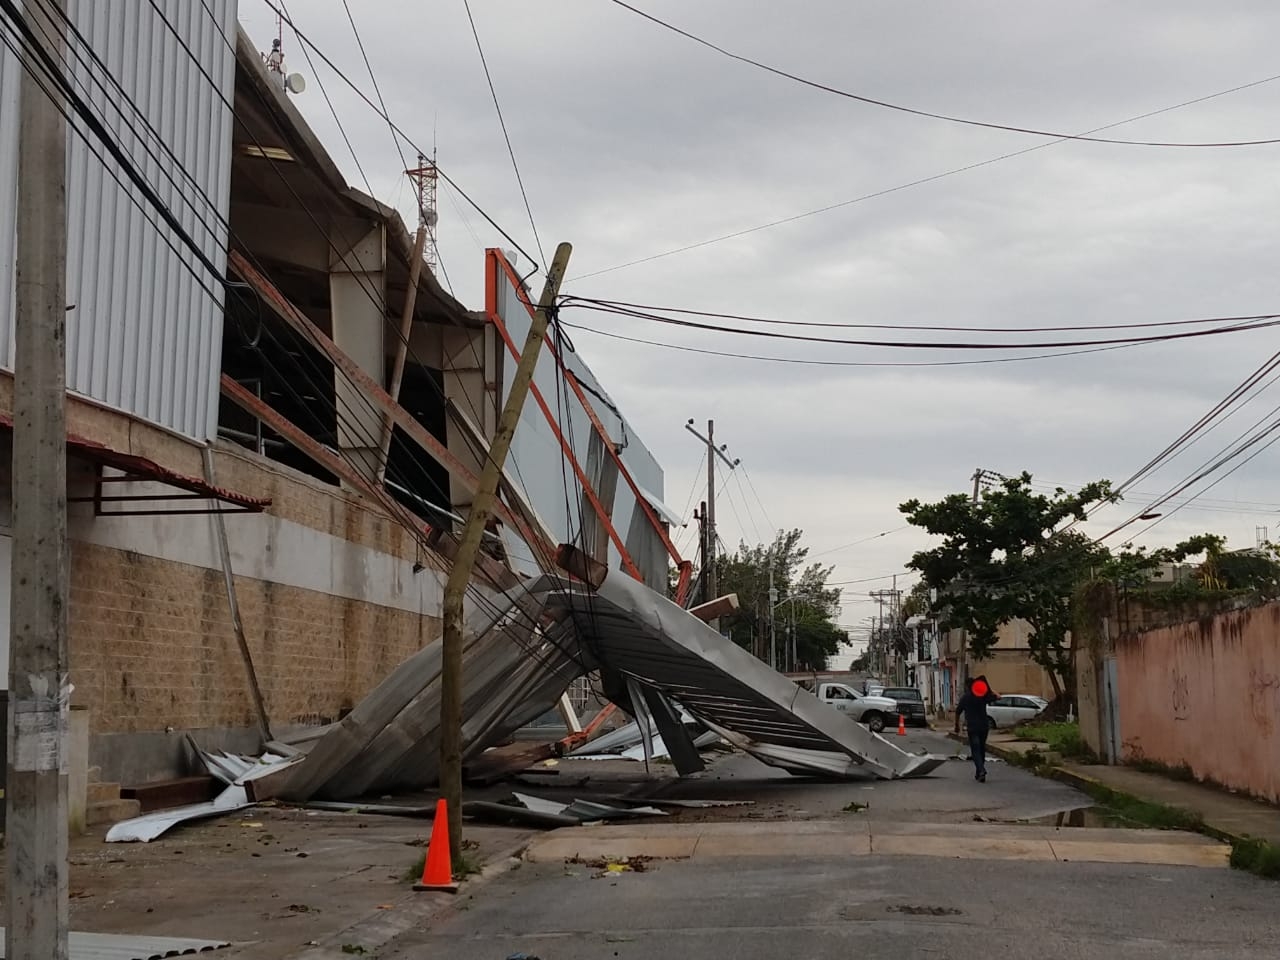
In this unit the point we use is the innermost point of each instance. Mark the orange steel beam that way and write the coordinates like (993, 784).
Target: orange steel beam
(492, 310)
(491, 294)
(291, 315)
(641, 499)
(575, 739)
(685, 581)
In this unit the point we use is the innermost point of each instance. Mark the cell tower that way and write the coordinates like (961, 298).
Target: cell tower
(424, 177)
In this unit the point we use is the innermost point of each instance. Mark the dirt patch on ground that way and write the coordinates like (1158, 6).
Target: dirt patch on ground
(282, 877)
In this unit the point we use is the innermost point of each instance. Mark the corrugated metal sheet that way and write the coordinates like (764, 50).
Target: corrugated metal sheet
(108, 946)
(538, 458)
(145, 335)
(634, 632)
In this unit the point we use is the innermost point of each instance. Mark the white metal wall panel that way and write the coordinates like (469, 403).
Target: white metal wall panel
(548, 479)
(145, 333)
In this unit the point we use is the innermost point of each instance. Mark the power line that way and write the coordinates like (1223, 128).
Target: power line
(914, 183)
(751, 483)
(626, 309)
(506, 135)
(304, 39)
(874, 536)
(839, 363)
(925, 113)
(1236, 324)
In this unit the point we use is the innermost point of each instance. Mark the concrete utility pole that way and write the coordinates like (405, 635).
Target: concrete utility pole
(473, 530)
(710, 575)
(36, 912)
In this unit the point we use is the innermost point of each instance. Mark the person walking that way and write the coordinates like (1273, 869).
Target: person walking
(973, 707)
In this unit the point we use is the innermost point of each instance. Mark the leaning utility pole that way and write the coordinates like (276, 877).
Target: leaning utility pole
(36, 913)
(710, 575)
(455, 589)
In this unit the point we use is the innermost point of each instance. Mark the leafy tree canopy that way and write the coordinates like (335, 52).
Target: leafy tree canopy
(816, 606)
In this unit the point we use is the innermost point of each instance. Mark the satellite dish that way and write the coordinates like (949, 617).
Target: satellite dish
(295, 83)
(431, 218)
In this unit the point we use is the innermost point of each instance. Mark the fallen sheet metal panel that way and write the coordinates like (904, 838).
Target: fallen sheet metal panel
(236, 796)
(487, 811)
(109, 946)
(586, 811)
(517, 666)
(147, 828)
(630, 629)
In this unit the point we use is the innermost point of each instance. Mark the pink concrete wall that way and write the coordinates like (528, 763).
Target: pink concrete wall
(1207, 694)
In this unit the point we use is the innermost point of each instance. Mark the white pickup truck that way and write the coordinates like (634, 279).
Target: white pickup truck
(875, 712)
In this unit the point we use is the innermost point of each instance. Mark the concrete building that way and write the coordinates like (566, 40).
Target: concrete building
(224, 430)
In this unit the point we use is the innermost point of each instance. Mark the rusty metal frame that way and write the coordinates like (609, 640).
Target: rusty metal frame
(491, 309)
(438, 451)
(684, 566)
(99, 498)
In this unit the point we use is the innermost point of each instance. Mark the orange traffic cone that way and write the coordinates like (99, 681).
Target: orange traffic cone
(902, 725)
(437, 871)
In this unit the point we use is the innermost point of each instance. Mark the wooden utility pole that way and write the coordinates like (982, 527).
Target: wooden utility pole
(710, 574)
(36, 913)
(472, 531)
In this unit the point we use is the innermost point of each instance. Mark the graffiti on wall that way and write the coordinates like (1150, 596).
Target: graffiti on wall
(1264, 699)
(1181, 688)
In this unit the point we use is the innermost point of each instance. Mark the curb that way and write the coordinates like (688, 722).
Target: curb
(1089, 784)
(380, 927)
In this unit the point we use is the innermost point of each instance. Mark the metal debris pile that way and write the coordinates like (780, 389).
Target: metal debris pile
(688, 688)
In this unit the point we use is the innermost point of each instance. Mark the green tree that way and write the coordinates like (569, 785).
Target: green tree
(1003, 557)
(746, 573)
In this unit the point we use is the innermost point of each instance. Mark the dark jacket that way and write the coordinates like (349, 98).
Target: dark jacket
(974, 709)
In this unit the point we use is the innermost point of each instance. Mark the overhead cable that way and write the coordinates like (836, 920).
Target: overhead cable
(926, 113)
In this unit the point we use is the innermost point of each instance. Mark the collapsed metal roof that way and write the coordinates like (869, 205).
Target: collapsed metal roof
(525, 647)
(632, 630)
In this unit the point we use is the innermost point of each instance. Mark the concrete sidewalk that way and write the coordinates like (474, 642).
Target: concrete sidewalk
(1226, 816)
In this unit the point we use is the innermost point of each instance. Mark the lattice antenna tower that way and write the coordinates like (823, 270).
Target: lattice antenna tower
(425, 179)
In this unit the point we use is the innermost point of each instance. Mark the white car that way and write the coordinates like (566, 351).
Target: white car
(1013, 709)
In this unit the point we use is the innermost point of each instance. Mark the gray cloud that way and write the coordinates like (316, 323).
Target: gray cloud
(634, 141)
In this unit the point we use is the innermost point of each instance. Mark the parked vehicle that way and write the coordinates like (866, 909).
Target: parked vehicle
(875, 712)
(1015, 708)
(910, 704)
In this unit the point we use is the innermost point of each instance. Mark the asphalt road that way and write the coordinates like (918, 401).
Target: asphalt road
(948, 795)
(865, 907)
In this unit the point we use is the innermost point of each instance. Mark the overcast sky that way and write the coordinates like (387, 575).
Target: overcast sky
(633, 141)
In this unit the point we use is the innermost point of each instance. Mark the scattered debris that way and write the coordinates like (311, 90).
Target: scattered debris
(235, 771)
(386, 809)
(585, 811)
(612, 866)
(856, 807)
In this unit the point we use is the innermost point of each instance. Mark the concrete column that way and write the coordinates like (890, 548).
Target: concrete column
(464, 362)
(357, 298)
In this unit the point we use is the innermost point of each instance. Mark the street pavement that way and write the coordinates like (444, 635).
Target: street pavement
(935, 867)
(864, 907)
(948, 795)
